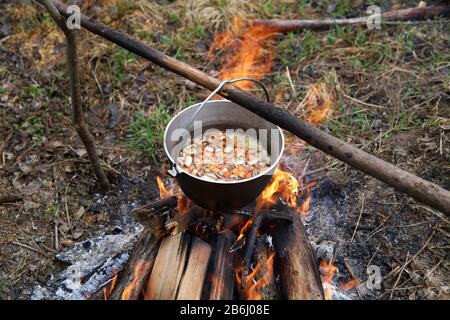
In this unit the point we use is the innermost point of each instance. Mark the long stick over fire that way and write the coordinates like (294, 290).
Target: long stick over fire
(418, 188)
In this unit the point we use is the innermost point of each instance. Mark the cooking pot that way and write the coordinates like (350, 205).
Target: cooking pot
(220, 195)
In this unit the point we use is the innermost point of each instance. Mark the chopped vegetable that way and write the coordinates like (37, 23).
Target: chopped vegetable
(227, 156)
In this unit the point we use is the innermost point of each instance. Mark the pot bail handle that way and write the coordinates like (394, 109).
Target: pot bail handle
(219, 87)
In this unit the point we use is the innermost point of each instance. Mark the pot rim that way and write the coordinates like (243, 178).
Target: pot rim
(180, 170)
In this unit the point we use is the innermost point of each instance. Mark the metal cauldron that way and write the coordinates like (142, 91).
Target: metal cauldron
(221, 195)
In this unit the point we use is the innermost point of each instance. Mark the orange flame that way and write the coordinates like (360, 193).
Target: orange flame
(253, 287)
(107, 291)
(282, 183)
(327, 270)
(349, 284)
(183, 203)
(138, 269)
(244, 229)
(247, 51)
(318, 102)
(163, 191)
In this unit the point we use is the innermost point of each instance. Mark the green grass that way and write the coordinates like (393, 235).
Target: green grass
(2, 90)
(120, 60)
(34, 127)
(4, 286)
(146, 132)
(52, 210)
(32, 92)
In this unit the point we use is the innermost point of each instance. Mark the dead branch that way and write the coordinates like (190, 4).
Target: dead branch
(418, 188)
(10, 199)
(75, 93)
(282, 25)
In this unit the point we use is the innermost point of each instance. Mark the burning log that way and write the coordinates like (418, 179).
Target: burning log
(180, 269)
(155, 215)
(261, 284)
(251, 238)
(220, 280)
(281, 25)
(183, 221)
(418, 188)
(140, 264)
(300, 278)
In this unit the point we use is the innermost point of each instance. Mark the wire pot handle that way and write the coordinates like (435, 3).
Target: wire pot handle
(219, 87)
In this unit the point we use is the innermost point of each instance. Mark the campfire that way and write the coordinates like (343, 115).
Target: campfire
(210, 255)
(259, 252)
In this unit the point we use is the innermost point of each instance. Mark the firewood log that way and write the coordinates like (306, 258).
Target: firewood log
(220, 278)
(297, 263)
(132, 279)
(180, 269)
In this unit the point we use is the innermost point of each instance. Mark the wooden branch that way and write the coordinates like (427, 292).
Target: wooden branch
(132, 279)
(282, 25)
(180, 269)
(10, 198)
(220, 279)
(418, 188)
(75, 94)
(297, 263)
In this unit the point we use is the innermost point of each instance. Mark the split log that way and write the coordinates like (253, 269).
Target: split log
(132, 279)
(418, 188)
(220, 279)
(180, 269)
(282, 25)
(191, 286)
(297, 264)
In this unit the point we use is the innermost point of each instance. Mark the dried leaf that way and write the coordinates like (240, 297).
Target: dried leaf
(80, 213)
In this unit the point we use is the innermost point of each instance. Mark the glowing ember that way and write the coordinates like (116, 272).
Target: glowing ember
(246, 51)
(327, 270)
